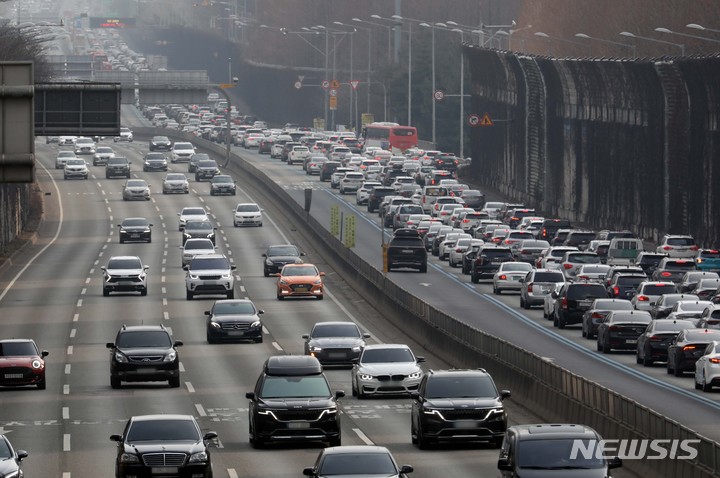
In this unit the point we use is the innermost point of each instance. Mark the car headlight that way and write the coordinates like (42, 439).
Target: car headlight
(318, 282)
(268, 262)
(328, 411)
(120, 357)
(283, 282)
(357, 348)
(315, 348)
(37, 364)
(198, 457)
(215, 325)
(227, 275)
(170, 357)
(496, 411)
(255, 324)
(415, 375)
(193, 276)
(430, 411)
(129, 458)
(364, 376)
(142, 276)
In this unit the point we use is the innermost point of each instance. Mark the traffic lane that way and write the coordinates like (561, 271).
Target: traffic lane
(579, 359)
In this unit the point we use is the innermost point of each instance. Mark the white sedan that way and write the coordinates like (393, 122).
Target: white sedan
(509, 276)
(707, 368)
(247, 214)
(455, 257)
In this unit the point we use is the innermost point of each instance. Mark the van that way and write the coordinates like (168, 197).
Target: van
(624, 251)
(430, 195)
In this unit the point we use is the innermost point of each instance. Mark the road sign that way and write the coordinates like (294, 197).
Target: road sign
(486, 121)
(333, 102)
(325, 84)
(334, 84)
(298, 85)
(333, 92)
(354, 84)
(226, 85)
(301, 77)
(439, 95)
(473, 120)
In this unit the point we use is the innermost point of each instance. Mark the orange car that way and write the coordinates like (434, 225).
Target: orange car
(300, 280)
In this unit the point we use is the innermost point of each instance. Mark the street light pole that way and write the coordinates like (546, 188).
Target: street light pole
(665, 30)
(462, 92)
(588, 37)
(632, 35)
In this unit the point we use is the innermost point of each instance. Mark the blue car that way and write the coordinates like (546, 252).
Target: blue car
(708, 260)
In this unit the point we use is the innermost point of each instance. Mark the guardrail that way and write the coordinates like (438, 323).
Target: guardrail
(550, 391)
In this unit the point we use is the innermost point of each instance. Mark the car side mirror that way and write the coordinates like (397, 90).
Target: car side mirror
(366, 335)
(504, 464)
(146, 268)
(178, 343)
(150, 225)
(419, 359)
(302, 254)
(406, 469)
(260, 311)
(21, 454)
(339, 393)
(322, 274)
(614, 462)
(102, 268)
(264, 255)
(116, 437)
(275, 275)
(110, 345)
(355, 360)
(309, 471)
(415, 395)
(186, 267)
(207, 312)
(305, 336)
(210, 436)
(44, 353)
(119, 225)
(504, 394)
(232, 268)
(250, 395)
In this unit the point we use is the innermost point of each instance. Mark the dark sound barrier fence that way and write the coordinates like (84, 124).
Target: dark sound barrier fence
(630, 144)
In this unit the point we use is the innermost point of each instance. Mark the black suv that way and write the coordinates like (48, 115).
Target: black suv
(377, 195)
(406, 249)
(275, 258)
(573, 300)
(198, 229)
(166, 445)
(117, 167)
(328, 168)
(550, 227)
(458, 405)
(144, 353)
(206, 170)
(287, 147)
(488, 261)
(292, 401)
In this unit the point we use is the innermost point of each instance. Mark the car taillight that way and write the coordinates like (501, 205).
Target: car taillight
(694, 248)
(458, 249)
(666, 248)
(616, 290)
(502, 277)
(530, 287)
(643, 298)
(613, 328)
(597, 315)
(564, 303)
(465, 221)
(714, 360)
(689, 347)
(665, 274)
(567, 266)
(656, 338)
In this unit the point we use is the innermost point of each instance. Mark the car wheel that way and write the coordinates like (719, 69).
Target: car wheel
(114, 381)
(320, 297)
(638, 360)
(451, 262)
(599, 346)
(670, 370)
(678, 372)
(354, 389)
(149, 240)
(230, 294)
(555, 320)
(106, 292)
(280, 297)
(423, 268)
(256, 442)
(122, 241)
(41, 385)
(496, 442)
(706, 387)
(561, 322)
(422, 441)
(258, 340)
(605, 348)
(189, 295)
(337, 441)
(646, 360)
(496, 291)
(174, 382)
(143, 292)
(210, 338)
(266, 272)
(582, 332)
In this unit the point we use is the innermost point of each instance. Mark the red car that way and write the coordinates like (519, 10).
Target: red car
(21, 363)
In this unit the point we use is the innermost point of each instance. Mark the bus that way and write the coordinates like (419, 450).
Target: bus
(390, 136)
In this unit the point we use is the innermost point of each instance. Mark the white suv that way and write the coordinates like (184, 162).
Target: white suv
(181, 152)
(125, 135)
(678, 246)
(209, 274)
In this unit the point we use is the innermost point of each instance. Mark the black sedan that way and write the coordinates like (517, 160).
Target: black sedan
(621, 329)
(10, 459)
(277, 256)
(654, 342)
(356, 461)
(687, 347)
(198, 229)
(234, 319)
(335, 343)
(135, 229)
(160, 143)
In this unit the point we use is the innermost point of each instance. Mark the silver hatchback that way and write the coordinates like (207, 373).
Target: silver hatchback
(537, 284)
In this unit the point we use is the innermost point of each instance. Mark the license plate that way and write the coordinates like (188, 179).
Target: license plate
(236, 333)
(630, 341)
(13, 375)
(134, 236)
(164, 470)
(335, 355)
(301, 289)
(516, 279)
(545, 290)
(298, 425)
(147, 370)
(584, 303)
(465, 424)
(407, 251)
(208, 282)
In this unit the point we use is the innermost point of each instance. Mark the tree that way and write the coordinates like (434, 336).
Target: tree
(23, 44)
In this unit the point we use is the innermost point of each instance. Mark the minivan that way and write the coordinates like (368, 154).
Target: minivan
(430, 195)
(624, 251)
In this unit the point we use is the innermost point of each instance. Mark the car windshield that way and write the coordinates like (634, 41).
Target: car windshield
(134, 222)
(460, 387)
(66, 154)
(680, 265)
(361, 464)
(197, 244)
(283, 251)
(692, 306)
(295, 387)
(631, 317)
(709, 284)
(583, 258)
(247, 208)
(387, 355)
(207, 164)
(17, 349)
(548, 277)
(162, 430)
(609, 304)
(234, 308)
(630, 281)
(222, 179)
(672, 325)
(160, 138)
(144, 338)
(658, 289)
(124, 264)
(75, 162)
(335, 330)
(183, 146)
(299, 271)
(193, 211)
(555, 454)
(5, 451)
(586, 291)
(595, 269)
(516, 267)
(103, 149)
(681, 241)
(175, 177)
(198, 226)
(136, 183)
(209, 263)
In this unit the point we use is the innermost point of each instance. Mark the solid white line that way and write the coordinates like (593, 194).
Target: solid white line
(232, 473)
(277, 346)
(200, 410)
(66, 442)
(72, 333)
(66, 474)
(67, 368)
(363, 436)
(66, 413)
(190, 388)
(66, 389)
(70, 350)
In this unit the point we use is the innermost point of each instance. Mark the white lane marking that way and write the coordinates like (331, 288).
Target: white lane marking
(66, 413)
(76, 317)
(66, 474)
(70, 350)
(87, 280)
(181, 367)
(66, 389)
(277, 346)
(265, 330)
(232, 473)
(52, 241)
(164, 291)
(162, 269)
(166, 315)
(92, 270)
(109, 238)
(66, 442)
(242, 288)
(164, 301)
(72, 333)
(84, 290)
(200, 410)
(363, 436)
(104, 247)
(162, 279)
(79, 303)
(67, 368)
(190, 388)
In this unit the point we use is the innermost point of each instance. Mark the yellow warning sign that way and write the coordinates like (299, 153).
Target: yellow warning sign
(334, 84)
(333, 102)
(486, 121)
